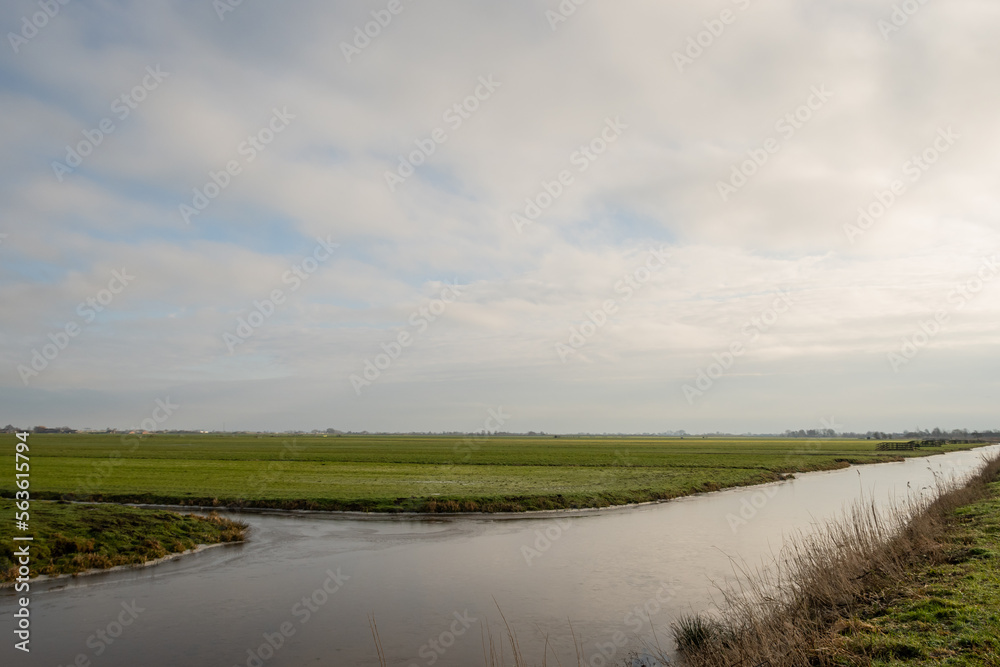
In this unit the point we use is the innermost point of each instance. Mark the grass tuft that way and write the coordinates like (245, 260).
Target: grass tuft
(73, 538)
(828, 598)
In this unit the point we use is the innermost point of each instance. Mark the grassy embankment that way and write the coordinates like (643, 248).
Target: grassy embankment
(418, 474)
(73, 538)
(946, 612)
(921, 587)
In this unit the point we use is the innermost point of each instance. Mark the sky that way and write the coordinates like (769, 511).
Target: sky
(417, 215)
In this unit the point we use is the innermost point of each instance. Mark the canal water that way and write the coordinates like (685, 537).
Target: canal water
(302, 592)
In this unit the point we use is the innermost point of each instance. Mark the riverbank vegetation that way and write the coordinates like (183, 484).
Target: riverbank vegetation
(920, 586)
(421, 473)
(70, 538)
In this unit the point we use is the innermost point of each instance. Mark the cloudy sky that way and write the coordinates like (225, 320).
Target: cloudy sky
(626, 216)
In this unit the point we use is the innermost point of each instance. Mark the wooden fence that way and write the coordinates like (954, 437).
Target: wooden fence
(917, 444)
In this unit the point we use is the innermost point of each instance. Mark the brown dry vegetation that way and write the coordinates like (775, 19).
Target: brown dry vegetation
(786, 615)
(73, 538)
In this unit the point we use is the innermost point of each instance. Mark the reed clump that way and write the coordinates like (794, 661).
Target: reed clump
(783, 615)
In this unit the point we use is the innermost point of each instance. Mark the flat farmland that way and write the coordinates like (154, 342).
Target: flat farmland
(417, 473)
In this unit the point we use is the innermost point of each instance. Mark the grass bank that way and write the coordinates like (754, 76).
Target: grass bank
(918, 587)
(947, 612)
(73, 538)
(417, 473)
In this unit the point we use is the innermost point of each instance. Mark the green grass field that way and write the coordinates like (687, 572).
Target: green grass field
(414, 473)
(947, 613)
(72, 538)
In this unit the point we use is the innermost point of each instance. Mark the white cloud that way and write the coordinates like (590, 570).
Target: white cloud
(450, 222)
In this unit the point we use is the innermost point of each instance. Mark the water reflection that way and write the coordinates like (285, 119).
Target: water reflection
(299, 594)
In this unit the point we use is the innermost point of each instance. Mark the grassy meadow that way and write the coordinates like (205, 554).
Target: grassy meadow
(416, 473)
(72, 538)
(919, 585)
(946, 612)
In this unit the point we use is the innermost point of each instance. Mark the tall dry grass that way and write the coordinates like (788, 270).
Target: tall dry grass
(780, 615)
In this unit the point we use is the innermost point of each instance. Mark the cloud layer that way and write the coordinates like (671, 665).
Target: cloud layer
(609, 199)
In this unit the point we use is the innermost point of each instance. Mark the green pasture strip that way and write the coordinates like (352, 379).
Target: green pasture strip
(416, 473)
(70, 538)
(948, 613)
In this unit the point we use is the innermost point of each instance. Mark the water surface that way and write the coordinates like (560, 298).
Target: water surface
(434, 585)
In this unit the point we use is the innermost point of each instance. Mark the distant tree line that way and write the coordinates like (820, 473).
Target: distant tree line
(922, 434)
(918, 434)
(38, 429)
